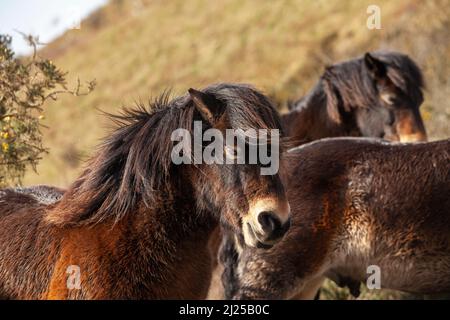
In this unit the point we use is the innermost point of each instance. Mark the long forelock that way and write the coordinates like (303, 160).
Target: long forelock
(351, 81)
(249, 109)
(405, 74)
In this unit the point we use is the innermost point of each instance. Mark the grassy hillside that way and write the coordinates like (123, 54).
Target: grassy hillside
(136, 49)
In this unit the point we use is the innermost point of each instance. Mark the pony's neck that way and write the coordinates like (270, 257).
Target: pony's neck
(298, 123)
(309, 119)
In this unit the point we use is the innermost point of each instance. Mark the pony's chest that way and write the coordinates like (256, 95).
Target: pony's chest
(191, 274)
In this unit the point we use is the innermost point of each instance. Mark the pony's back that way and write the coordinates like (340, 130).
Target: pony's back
(393, 176)
(385, 204)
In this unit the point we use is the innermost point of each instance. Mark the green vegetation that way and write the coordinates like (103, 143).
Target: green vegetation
(25, 85)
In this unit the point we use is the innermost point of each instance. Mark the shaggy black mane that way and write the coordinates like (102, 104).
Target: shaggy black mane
(134, 164)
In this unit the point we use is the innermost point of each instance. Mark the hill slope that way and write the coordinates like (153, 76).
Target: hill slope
(138, 48)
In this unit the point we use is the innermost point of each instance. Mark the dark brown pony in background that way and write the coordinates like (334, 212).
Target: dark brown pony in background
(376, 95)
(356, 203)
(136, 224)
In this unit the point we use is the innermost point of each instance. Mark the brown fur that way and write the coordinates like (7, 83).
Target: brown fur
(137, 225)
(377, 95)
(353, 98)
(355, 203)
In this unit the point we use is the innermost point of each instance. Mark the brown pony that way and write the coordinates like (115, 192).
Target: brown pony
(377, 95)
(358, 203)
(134, 224)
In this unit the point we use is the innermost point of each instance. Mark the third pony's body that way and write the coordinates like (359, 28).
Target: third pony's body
(358, 203)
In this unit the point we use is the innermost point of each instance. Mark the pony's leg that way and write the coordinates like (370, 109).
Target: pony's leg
(310, 290)
(216, 289)
(228, 257)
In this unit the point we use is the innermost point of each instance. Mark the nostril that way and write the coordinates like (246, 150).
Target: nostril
(269, 222)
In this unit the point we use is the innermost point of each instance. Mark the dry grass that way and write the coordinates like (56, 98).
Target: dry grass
(136, 51)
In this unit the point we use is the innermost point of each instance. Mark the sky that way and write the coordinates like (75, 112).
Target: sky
(44, 18)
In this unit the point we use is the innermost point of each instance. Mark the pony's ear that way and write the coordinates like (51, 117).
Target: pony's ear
(207, 105)
(375, 66)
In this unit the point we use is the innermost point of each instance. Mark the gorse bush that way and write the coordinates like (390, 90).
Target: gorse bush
(25, 86)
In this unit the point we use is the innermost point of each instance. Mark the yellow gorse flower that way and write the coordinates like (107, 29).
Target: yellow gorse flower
(5, 135)
(5, 147)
